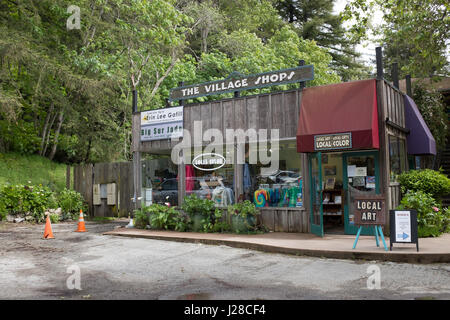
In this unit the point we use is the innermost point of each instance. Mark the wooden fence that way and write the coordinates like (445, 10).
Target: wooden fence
(117, 204)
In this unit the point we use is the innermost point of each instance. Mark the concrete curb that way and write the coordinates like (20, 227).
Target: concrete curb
(419, 257)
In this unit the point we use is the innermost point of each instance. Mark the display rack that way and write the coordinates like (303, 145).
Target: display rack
(333, 207)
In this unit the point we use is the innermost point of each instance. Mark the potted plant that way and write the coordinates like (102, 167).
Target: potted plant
(202, 212)
(243, 216)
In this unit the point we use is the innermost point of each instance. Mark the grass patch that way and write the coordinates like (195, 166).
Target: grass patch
(32, 170)
(100, 219)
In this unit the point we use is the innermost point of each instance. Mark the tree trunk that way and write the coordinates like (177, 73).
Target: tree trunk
(88, 149)
(44, 131)
(58, 129)
(48, 135)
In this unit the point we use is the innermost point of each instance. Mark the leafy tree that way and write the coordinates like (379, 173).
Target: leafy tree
(414, 33)
(433, 110)
(314, 20)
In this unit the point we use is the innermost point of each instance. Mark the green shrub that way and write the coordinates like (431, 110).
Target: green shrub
(20, 199)
(428, 181)
(243, 209)
(243, 217)
(71, 202)
(431, 219)
(54, 218)
(193, 205)
(3, 211)
(141, 218)
(162, 217)
(203, 214)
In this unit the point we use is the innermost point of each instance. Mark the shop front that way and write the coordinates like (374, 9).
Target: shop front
(332, 143)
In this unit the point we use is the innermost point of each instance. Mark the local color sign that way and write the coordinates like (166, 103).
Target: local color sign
(333, 141)
(161, 124)
(236, 82)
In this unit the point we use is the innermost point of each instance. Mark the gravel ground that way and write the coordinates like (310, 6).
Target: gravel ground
(125, 268)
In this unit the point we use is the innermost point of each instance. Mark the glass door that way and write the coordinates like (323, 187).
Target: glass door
(360, 177)
(315, 171)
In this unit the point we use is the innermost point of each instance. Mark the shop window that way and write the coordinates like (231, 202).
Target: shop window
(159, 180)
(279, 187)
(397, 156)
(212, 181)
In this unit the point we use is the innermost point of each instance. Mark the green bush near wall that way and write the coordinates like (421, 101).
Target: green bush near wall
(432, 220)
(428, 181)
(29, 200)
(26, 200)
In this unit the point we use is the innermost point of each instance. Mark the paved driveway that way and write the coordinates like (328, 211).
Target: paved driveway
(125, 268)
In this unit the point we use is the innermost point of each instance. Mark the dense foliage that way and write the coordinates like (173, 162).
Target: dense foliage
(66, 93)
(428, 181)
(422, 191)
(433, 110)
(414, 33)
(34, 201)
(71, 202)
(432, 220)
(315, 20)
(26, 200)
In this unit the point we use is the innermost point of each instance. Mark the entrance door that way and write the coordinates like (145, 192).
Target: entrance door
(315, 170)
(360, 177)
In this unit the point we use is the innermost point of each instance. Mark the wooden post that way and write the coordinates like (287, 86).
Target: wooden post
(302, 83)
(239, 152)
(379, 58)
(408, 85)
(68, 177)
(395, 75)
(137, 172)
(181, 178)
(134, 103)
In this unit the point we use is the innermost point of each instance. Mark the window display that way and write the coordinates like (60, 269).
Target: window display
(209, 182)
(281, 187)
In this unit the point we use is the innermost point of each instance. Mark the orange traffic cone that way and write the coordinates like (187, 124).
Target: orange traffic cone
(48, 234)
(81, 226)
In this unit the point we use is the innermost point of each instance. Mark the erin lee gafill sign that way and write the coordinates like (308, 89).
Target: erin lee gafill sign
(333, 141)
(237, 82)
(161, 124)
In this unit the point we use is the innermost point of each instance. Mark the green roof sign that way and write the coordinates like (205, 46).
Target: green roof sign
(237, 82)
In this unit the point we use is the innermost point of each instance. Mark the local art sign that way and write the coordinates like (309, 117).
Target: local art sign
(369, 211)
(237, 82)
(333, 141)
(161, 124)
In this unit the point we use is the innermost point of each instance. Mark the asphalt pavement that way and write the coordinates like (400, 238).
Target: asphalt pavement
(95, 266)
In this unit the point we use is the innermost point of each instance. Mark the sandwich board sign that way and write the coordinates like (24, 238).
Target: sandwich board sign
(403, 227)
(370, 210)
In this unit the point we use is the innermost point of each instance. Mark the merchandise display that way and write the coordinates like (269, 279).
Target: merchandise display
(222, 196)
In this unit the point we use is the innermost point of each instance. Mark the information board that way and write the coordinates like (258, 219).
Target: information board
(403, 227)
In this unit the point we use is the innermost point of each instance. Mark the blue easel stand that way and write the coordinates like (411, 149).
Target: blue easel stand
(378, 230)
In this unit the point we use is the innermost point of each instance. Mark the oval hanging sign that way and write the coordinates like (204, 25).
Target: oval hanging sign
(208, 161)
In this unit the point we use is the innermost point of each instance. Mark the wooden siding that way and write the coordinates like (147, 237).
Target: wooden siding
(267, 111)
(393, 104)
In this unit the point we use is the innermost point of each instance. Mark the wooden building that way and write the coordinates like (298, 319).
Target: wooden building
(342, 140)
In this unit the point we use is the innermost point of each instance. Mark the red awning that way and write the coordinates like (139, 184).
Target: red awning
(349, 107)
